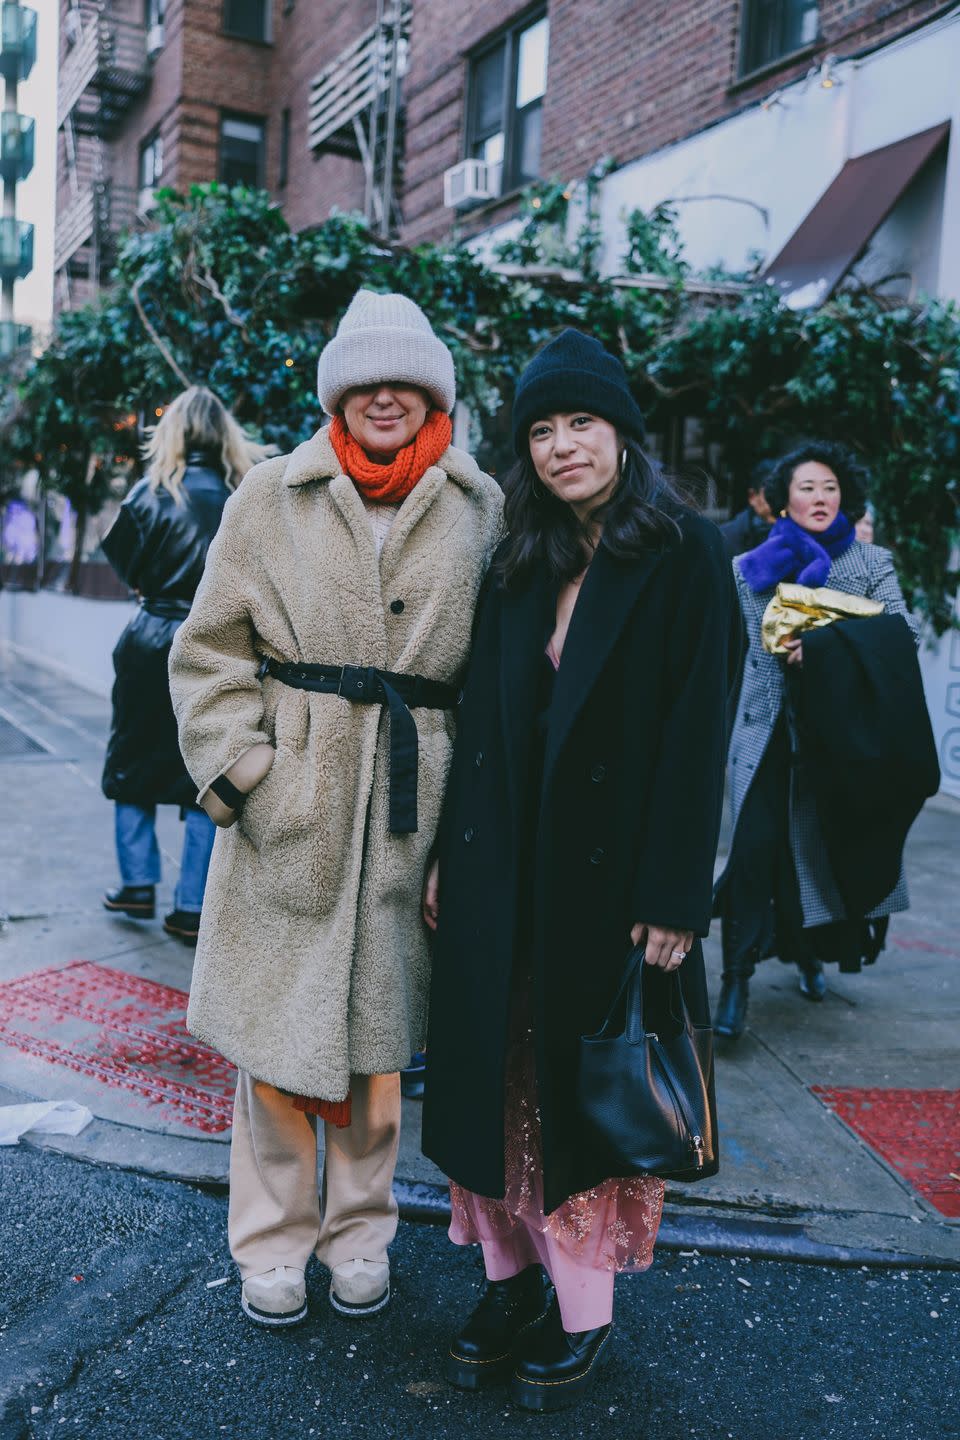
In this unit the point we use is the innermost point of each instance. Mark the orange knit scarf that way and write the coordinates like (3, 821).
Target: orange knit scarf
(390, 484)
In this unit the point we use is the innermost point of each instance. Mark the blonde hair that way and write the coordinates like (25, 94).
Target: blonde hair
(197, 420)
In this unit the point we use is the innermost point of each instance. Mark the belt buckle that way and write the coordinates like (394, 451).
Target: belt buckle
(356, 682)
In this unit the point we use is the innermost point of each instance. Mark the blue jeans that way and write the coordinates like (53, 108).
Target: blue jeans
(139, 854)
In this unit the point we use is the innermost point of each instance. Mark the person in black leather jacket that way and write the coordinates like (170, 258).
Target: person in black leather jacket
(197, 455)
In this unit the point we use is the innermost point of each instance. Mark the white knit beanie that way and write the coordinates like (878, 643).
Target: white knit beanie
(383, 338)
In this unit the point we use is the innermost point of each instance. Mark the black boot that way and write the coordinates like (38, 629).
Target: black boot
(412, 1079)
(137, 901)
(731, 1013)
(183, 925)
(813, 982)
(554, 1367)
(483, 1351)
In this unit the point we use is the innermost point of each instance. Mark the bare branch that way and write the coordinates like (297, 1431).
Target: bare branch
(154, 336)
(204, 278)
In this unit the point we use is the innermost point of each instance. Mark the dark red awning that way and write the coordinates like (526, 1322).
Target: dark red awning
(853, 207)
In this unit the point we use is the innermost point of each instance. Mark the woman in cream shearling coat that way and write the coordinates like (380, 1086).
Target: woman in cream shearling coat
(312, 965)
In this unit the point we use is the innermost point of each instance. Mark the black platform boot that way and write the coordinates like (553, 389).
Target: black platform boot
(483, 1351)
(555, 1367)
(137, 901)
(813, 982)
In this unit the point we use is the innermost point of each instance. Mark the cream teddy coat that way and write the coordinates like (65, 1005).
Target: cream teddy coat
(312, 960)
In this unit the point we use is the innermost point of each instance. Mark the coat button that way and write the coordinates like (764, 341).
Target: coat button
(598, 774)
(746, 717)
(755, 663)
(479, 760)
(468, 834)
(397, 607)
(597, 856)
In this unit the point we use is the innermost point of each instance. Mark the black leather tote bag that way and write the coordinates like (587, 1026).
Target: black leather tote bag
(645, 1101)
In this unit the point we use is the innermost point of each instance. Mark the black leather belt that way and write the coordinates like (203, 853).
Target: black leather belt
(365, 685)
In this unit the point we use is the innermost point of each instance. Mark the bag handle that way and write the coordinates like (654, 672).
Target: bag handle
(628, 1002)
(634, 1028)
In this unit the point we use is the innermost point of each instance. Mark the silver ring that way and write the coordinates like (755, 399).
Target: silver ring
(679, 954)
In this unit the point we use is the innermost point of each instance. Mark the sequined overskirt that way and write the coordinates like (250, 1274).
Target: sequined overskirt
(612, 1227)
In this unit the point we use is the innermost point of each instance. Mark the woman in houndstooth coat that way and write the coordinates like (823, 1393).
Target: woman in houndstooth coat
(778, 891)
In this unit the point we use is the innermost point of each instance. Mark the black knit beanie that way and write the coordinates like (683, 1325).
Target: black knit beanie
(572, 373)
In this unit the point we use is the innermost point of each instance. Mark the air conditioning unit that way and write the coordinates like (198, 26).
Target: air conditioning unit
(155, 39)
(146, 201)
(470, 183)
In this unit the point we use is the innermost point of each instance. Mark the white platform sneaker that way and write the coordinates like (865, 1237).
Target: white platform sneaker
(360, 1287)
(277, 1297)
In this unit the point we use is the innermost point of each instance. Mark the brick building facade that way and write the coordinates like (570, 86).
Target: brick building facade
(173, 94)
(624, 79)
(179, 91)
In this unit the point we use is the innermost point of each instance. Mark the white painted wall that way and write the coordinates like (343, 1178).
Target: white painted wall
(67, 634)
(780, 160)
(941, 680)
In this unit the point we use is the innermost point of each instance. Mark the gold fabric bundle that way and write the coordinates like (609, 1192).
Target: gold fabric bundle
(795, 608)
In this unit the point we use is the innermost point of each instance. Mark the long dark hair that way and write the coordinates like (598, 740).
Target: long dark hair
(641, 515)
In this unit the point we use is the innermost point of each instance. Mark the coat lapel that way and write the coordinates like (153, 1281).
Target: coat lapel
(413, 509)
(360, 577)
(608, 596)
(525, 623)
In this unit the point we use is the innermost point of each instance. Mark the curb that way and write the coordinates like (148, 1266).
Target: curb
(709, 1235)
(426, 1202)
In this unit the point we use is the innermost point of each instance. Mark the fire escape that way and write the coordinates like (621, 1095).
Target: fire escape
(104, 66)
(356, 110)
(18, 52)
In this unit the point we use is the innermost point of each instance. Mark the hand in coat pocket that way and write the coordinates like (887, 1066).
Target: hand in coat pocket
(246, 773)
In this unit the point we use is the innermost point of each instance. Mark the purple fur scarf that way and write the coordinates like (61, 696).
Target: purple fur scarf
(792, 553)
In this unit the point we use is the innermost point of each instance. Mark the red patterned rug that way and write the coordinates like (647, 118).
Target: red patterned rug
(916, 1131)
(123, 1031)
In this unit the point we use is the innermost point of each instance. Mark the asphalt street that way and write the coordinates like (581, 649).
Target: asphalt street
(114, 1327)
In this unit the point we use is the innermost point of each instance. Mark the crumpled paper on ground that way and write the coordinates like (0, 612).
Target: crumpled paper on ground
(43, 1117)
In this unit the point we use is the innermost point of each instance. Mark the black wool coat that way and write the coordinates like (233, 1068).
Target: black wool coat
(158, 548)
(624, 829)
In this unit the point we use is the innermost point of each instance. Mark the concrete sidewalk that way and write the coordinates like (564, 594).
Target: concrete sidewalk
(91, 1010)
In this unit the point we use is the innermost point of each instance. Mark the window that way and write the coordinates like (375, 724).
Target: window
(151, 162)
(241, 151)
(153, 12)
(505, 102)
(284, 149)
(773, 29)
(250, 19)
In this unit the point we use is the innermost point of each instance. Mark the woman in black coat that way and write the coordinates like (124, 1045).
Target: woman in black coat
(158, 545)
(581, 817)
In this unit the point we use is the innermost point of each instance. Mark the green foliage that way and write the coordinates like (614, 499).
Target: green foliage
(220, 292)
(654, 246)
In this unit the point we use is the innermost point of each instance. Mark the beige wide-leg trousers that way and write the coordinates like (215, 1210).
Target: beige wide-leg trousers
(277, 1216)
